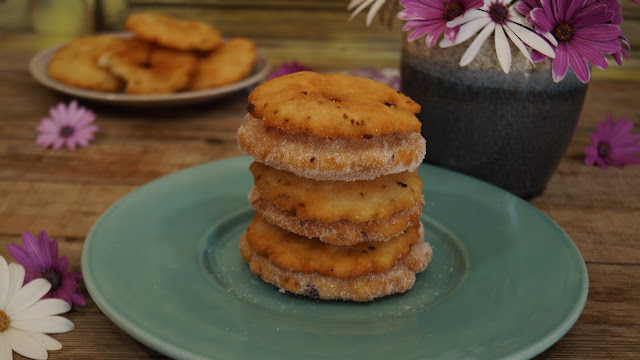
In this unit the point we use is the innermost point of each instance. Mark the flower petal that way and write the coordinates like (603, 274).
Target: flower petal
(560, 64)
(43, 308)
(46, 341)
(6, 352)
(469, 29)
(23, 257)
(539, 18)
(579, 65)
(25, 345)
(78, 299)
(533, 40)
(49, 325)
(467, 17)
(475, 46)
(16, 279)
(45, 249)
(592, 55)
(58, 144)
(599, 32)
(519, 44)
(48, 126)
(4, 280)
(503, 50)
(46, 140)
(353, 3)
(374, 10)
(27, 296)
(362, 6)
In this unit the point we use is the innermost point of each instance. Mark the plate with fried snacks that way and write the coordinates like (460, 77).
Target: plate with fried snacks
(164, 264)
(125, 69)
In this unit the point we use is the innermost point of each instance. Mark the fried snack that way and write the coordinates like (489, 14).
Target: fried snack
(341, 232)
(333, 106)
(327, 201)
(331, 159)
(173, 33)
(231, 62)
(305, 255)
(149, 69)
(397, 279)
(76, 63)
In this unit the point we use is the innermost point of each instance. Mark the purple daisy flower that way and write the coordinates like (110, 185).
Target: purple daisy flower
(584, 32)
(40, 260)
(68, 126)
(430, 17)
(288, 68)
(613, 144)
(524, 7)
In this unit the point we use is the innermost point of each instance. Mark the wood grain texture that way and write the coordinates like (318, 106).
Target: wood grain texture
(64, 192)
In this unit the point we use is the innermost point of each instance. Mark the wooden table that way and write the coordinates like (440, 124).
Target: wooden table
(64, 192)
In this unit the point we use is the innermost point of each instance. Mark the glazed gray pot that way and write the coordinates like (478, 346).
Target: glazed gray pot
(510, 130)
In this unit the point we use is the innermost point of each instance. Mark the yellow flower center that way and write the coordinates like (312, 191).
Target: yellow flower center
(4, 321)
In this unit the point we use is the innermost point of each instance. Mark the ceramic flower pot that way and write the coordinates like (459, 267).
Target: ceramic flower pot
(510, 130)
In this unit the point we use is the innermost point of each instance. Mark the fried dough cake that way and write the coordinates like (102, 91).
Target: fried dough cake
(332, 127)
(337, 212)
(76, 63)
(149, 69)
(173, 33)
(313, 268)
(229, 63)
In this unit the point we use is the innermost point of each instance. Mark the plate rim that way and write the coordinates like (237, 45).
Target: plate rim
(157, 344)
(39, 61)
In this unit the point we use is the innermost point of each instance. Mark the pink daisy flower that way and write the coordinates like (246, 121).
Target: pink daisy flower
(613, 144)
(68, 126)
(430, 17)
(288, 68)
(584, 32)
(40, 260)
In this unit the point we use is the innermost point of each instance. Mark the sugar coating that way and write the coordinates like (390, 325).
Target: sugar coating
(331, 159)
(341, 232)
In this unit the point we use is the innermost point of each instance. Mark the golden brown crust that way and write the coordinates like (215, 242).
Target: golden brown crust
(398, 279)
(328, 201)
(76, 63)
(301, 254)
(340, 232)
(333, 106)
(230, 63)
(331, 159)
(174, 33)
(150, 69)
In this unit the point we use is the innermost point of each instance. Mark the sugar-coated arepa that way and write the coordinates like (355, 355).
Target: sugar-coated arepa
(363, 272)
(333, 106)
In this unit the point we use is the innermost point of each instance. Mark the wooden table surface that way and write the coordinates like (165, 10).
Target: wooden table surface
(64, 192)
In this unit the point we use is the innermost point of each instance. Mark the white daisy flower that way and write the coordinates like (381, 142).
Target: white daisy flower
(24, 318)
(360, 5)
(498, 18)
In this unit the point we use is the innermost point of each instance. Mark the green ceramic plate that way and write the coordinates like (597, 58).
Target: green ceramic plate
(163, 263)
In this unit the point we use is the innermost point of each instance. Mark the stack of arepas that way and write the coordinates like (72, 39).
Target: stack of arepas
(163, 55)
(336, 187)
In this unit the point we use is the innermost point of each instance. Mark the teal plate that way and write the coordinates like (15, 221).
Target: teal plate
(163, 264)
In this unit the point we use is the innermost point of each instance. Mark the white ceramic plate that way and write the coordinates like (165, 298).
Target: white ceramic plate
(38, 69)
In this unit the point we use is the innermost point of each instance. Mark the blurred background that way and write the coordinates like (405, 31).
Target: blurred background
(313, 32)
